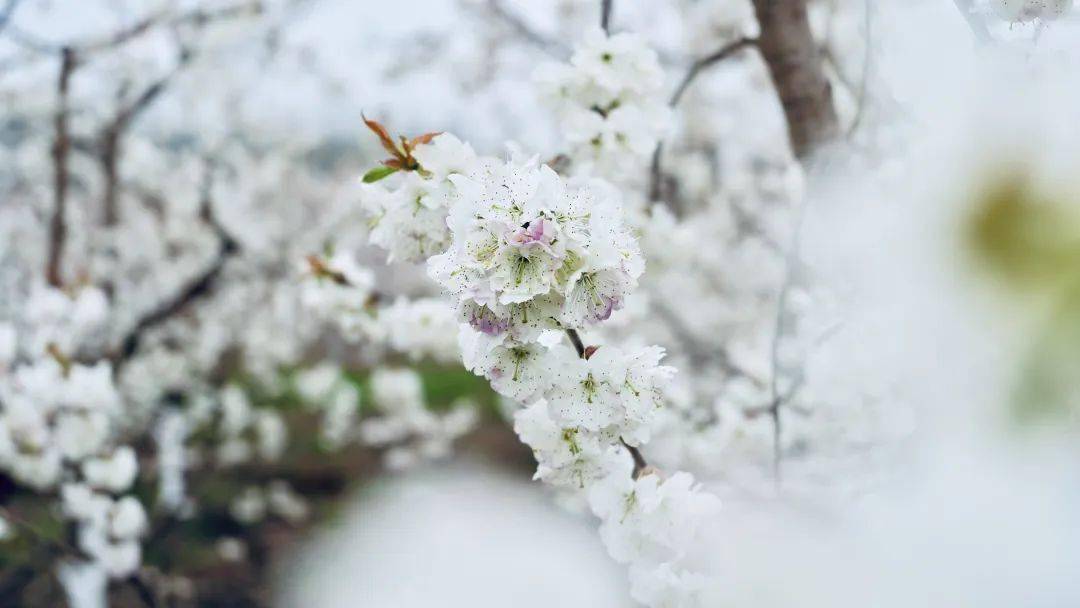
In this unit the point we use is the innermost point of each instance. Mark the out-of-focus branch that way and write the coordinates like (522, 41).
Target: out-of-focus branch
(657, 189)
(9, 10)
(792, 265)
(197, 17)
(699, 353)
(795, 65)
(112, 136)
(868, 57)
(145, 589)
(605, 15)
(516, 23)
(858, 90)
(977, 25)
(60, 150)
(197, 288)
(707, 61)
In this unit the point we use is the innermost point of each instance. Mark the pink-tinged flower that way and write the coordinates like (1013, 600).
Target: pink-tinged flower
(539, 232)
(595, 296)
(485, 320)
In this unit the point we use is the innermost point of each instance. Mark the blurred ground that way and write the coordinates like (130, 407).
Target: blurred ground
(459, 534)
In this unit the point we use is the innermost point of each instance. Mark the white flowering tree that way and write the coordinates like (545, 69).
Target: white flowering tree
(199, 348)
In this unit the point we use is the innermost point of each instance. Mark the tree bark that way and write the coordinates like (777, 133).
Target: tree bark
(788, 47)
(60, 148)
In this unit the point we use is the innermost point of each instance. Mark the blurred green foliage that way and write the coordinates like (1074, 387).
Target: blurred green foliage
(188, 546)
(1030, 242)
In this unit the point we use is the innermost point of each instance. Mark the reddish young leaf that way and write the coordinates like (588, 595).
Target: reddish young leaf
(423, 139)
(384, 136)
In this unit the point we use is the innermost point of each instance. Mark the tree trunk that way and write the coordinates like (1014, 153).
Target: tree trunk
(795, 65)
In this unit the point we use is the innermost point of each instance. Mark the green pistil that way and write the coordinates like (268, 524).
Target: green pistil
(588, 283)
(519, 355)
(589, 384)
(487, 250)
(521, 264)
(570, 437)
(628, 505)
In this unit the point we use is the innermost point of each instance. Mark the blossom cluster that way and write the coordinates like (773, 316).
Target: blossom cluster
(60, 426)
(407, 211)
(533, 256)
(247, 432)
(409, 431)
(653, 525)
(609, 104)
(323, 386)
(531, 252)
(255, 503)
(1029, 10)
(337, 289)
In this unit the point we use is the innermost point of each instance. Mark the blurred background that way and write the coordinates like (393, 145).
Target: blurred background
(877, 352)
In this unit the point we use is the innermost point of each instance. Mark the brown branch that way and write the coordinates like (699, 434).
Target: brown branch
(144, 589)
(112, 136)
(639, 460)
(575, 339)
(60, 150)
(788, 48)
(199, 287)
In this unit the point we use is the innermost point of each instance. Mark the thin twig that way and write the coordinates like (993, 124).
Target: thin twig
(977, 25)
(575, 339)
(60, 150)
(656, 176)
(700, 354)
(198, 17)
(9, 10)
(705, 62)
(546, 43)
(112, 135)
(860, 108)
(791, 264)
(144, 589)
(639, 460)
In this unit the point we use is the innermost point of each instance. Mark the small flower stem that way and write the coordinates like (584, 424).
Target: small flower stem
(575, 339)
(639, 461)
(640, 464)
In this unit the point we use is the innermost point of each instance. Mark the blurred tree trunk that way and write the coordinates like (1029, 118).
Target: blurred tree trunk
(795, 65)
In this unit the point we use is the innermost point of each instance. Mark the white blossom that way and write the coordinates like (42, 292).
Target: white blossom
(114, 473)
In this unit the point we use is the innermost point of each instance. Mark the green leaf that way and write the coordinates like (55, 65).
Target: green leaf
(378, 173)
